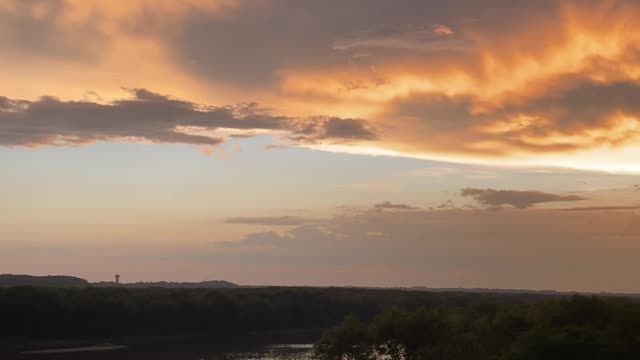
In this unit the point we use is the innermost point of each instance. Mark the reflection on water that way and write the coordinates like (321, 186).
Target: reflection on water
(255, 347)
(163, 352)
(276, 352)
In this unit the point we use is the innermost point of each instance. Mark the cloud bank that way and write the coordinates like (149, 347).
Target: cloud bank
(155, 118)
(545, 83)
(543, 248)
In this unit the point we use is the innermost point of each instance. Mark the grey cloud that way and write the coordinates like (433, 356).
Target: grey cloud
(273, 220)
(254, 41)
(573, 103)
(518, 199)
(348, 129)
(318, 128)
(153, 117)
(24, 32)
(390, 205)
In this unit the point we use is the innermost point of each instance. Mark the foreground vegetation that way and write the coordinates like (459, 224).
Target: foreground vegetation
(585, 328)
(399, 324)
(36, 313)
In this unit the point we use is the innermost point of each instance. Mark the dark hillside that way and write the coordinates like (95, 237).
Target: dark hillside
(7, 280)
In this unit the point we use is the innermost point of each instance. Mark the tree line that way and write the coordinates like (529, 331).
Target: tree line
(28, 312)
(576, 327)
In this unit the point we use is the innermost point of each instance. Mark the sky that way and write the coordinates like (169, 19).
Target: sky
(489, 144)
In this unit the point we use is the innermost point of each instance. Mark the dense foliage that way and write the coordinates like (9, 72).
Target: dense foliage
(585, 328)
(58, 313)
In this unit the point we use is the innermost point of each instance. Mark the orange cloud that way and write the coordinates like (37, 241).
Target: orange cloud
(552, 86)
(544, 83)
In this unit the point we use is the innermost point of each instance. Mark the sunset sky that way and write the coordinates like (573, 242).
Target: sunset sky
(335, 142)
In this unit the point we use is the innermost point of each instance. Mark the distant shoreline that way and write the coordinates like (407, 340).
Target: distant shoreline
(95, 348)
(63, 281)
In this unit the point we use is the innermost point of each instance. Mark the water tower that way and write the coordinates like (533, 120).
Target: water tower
(117, 278)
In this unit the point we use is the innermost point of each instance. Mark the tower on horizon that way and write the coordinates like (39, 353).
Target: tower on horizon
(117, 278)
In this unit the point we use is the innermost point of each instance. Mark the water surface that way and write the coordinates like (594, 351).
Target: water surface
(253, 347)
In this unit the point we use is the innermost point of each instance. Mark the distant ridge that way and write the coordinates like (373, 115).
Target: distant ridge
(63, 281)
(169, 284)
(10, 280)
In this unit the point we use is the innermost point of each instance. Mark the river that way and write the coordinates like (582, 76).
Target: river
(253, 347)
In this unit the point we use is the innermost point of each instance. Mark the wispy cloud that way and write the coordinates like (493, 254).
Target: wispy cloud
(443, 30)
(604, 208)
(451, 247)
(387, 205)
(273, 220)
(518, 199)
